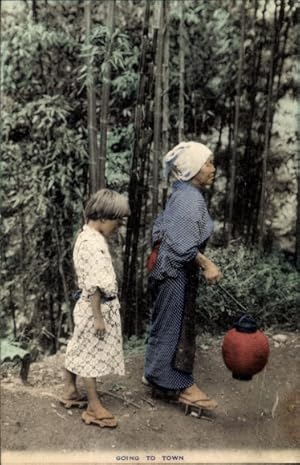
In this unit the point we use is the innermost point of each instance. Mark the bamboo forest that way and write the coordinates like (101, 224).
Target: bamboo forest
(94, 94)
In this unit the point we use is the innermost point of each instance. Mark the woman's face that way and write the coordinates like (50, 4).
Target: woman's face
(205, 176)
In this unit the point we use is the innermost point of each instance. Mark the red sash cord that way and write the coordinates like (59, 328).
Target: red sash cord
(152, 259)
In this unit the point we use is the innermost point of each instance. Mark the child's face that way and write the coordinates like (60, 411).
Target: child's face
(111, 226)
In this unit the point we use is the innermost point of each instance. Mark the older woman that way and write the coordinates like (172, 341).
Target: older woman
(181, 231)
(95, 348)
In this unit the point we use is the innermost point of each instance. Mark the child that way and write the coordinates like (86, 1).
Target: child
(95, 348)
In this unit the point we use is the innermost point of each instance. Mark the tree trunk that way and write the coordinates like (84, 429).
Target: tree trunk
(283, 38)
(34, 11)
(91, 97)
(245, 213)
(141, 300)
(106, 84)
(60, 265)
(236, 127)
(166, 84)
(298, 219)
(157, 108)
(181, 74)
(265, 155)
(137, 189)
(13, 311)
(252, 154)
(277, 61)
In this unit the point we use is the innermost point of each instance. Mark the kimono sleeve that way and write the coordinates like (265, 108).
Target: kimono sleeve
(157, 228)
(188, 226)
(97, 270)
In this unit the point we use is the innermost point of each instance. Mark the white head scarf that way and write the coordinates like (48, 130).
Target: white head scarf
(185, 160)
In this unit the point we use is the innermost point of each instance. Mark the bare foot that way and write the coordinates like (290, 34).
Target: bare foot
(71, 393)
(195, 395)
(100, 419)
(98, 411)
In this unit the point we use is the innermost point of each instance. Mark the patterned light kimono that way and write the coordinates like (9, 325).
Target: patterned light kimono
(182, 229)
(87, 355)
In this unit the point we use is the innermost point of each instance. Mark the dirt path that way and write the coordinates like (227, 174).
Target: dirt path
(262, 414)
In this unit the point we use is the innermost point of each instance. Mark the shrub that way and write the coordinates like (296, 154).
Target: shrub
(266, 285)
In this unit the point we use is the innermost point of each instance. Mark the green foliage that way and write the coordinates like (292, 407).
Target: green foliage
(44, 168)
(124, 78)
(267, 286)
(10, 351)
(134, 345)
(121, 58)
(44, 160)
(211, 61)
(31, 54)
(119, 143)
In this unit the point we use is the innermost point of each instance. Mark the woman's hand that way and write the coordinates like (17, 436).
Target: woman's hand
(211, 273)
(100, 329)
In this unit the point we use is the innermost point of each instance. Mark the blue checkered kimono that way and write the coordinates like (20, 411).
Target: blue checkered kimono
(182, 229)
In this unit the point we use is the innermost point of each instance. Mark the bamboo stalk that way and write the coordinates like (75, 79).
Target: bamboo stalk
(132, 188)
(236, 127)
(265, 156)
(166, 77)
(34, 11)
(244, 213)
(298, 218)
(166, 84)
(13, 312)
(143, 137)
(279, 42)
(249, 212)
(284, 33)
(60, 248)
(91, 97)
(181, 73)
(106, 84)
(157, 109)
(141, 281)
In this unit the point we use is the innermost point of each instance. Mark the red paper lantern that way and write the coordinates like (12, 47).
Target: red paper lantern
(245, 349)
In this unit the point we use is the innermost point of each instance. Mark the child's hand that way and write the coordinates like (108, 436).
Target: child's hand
(100, 329)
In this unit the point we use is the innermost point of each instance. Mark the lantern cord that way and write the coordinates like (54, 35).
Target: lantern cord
(231, 297)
